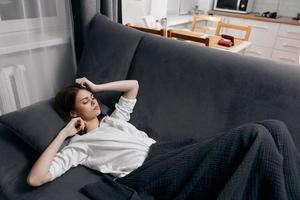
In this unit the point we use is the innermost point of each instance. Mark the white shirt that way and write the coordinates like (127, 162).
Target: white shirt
(116, 147)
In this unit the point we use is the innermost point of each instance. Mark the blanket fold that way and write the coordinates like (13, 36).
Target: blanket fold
(253, 161)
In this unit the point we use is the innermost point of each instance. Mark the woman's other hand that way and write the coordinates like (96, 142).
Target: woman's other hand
(39, 174)
(74, 126)
(84, 82)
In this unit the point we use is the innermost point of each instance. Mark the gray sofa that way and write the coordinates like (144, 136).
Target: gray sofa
(186, 91)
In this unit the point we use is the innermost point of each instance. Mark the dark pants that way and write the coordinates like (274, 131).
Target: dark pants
(253, 161)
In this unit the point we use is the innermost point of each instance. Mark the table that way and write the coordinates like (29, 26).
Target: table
(209, 40)
(239, 46)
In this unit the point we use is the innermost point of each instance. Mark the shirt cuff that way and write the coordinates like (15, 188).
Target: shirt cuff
(128, 103)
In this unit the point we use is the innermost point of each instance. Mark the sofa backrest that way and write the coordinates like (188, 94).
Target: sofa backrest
(108, 54)
(188, 90)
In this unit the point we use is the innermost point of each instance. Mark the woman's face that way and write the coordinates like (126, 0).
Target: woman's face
(86, 106)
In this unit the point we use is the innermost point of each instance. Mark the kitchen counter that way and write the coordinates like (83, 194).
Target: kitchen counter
(174, 20)
(254, 16)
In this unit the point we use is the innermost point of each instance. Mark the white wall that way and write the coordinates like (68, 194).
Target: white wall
(159, 8)
(187, 5)
(173, 7)
(133, 10)
(205, 5)
(288, 8)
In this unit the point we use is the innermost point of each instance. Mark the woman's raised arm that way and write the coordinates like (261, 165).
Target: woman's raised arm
(129, 87)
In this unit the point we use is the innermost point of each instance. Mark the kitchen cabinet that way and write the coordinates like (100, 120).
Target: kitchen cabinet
(259, 51)
(284, 56)
(263, 33)
(287, 44)
(276, 41)
(289, 31)
(287, 47)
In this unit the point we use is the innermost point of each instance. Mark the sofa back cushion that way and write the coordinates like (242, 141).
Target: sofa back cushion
(179, 94)
(187, 90)
(108, 54)
(191, 91)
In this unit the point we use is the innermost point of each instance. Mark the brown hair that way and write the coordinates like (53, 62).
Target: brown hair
(65, 101)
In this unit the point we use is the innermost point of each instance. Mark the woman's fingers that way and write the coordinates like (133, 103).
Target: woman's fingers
(79, 124)
(82, 124)
(86, 83)
(82, 81)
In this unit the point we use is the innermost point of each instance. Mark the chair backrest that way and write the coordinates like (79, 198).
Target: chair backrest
(243, 28)
(188, 35)
(160, 31)
(208, 20)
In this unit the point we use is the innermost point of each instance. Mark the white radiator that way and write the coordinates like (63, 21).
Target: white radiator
(13, 88)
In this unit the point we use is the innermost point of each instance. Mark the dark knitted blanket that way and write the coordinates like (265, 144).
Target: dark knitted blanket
(253, 161)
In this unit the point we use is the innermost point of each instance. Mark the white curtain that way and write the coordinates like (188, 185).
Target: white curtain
(36, 51)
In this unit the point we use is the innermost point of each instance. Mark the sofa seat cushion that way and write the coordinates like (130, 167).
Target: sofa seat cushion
(17, 158)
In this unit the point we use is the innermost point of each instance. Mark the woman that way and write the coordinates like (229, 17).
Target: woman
(255, 160)
(77, 105)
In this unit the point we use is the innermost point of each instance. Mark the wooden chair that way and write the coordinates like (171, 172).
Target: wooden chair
(243, 28)
(188, 35)
(160, 32)
(207, 19)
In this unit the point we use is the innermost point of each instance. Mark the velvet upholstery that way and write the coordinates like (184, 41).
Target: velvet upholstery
(186, 91)
(16, 160)
(108, 54)
(24, 124)
(196, 91)
(24, 134)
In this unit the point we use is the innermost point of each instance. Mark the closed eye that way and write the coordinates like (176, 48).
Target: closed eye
(85, 100)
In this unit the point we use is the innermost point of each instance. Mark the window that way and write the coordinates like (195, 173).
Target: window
(26, 9)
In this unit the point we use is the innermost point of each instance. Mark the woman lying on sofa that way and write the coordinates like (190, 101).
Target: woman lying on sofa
(253, 161)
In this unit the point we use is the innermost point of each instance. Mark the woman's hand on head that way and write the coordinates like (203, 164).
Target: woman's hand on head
(74, 126)
(84, 82)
